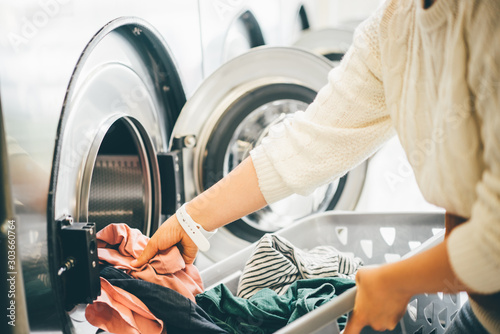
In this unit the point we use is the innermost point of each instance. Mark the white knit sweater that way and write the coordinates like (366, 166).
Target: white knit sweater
(432, 75)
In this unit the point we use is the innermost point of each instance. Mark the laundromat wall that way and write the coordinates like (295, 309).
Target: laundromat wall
(120, 111)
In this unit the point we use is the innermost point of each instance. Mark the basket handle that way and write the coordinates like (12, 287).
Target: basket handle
(323, 315)
(329, 312)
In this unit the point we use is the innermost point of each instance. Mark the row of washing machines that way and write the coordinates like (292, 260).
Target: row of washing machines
(120, 111)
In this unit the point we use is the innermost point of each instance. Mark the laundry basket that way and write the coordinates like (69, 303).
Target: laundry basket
(376, 238)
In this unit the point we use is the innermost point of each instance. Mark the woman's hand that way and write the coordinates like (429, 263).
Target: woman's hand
(233, 197)
(380, 302)
(384, 292)
(169, 234)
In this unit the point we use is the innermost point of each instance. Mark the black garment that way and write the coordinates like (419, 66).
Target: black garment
(179, 314)
(109, 272)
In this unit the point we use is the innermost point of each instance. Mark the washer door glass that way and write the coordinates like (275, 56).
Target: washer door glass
(232, 112)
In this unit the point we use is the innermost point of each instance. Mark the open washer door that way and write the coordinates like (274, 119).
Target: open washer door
(230, 114)
(119, 111)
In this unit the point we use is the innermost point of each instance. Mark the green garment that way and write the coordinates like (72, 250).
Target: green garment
(266, 312)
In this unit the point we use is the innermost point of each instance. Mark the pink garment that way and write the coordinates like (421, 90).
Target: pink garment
(118, 311)
(118, 245)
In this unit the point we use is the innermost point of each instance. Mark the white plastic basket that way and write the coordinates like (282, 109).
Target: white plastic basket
(376, 238)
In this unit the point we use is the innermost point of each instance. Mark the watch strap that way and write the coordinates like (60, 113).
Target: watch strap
(194, 230)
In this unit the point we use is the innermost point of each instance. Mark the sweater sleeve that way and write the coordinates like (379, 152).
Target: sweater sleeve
(346, 123)
(474, 247)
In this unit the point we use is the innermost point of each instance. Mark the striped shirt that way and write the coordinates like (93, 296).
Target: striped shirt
(276, 264)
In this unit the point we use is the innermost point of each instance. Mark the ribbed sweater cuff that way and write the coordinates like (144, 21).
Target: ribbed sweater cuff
(468, 262)
(270, 182)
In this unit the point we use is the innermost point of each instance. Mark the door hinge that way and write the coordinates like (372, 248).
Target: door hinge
(79, 268)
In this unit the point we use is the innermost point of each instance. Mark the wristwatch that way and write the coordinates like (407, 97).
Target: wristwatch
(194, 230)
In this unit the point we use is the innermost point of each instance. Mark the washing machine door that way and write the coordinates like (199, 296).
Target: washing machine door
(120, 108)
(230, 114)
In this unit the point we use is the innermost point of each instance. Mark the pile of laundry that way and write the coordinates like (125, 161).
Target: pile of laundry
(279, 284)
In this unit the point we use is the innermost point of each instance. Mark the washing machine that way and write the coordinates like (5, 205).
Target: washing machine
(90, 93)
(113, 116)
(298, 17)
(230, 28)
(219, 137)
(221, 124)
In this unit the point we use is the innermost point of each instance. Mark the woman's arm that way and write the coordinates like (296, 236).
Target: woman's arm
(235, 196)
(469, 259)
(347, 122)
